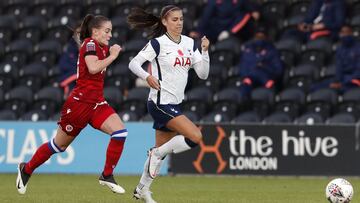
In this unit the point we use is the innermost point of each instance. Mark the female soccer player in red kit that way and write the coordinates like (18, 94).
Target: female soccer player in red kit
(86, 105)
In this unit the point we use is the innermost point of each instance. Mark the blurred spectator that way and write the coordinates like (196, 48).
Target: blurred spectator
(324, 18)
(347, 63)
(68, 61)
(260, 64)
(222, 17)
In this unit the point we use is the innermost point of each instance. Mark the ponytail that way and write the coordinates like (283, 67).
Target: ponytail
(90, 21)
(140, 19)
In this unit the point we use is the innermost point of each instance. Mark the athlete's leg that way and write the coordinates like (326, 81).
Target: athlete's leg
(189, 137)
(42, 154)
(106, 120)
(142, 190)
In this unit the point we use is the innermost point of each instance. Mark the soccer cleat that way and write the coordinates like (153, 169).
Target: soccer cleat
(111, 183)
(154, 163)
(22, 179)
(144, 195)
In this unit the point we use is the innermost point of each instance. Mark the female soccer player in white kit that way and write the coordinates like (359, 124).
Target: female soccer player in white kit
(171, 55)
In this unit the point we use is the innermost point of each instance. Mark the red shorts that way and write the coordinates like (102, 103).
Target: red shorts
(75, 115)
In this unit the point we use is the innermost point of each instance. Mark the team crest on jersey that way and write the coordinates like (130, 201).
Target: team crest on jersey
(90, 46)
(69, 128)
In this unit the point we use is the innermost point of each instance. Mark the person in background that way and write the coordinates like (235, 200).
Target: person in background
(68, 59)
(171, 55)
(222, 18)
(86, 105)
(260, 64)
(324, 18)
(347, 64)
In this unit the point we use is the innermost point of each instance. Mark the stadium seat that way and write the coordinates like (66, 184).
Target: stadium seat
(7, 115)
(70, 8)
(262, 100)
(128, 116)
(44, 8)
(315, 57)
(298, 8)
(302, 76)
(18, 99)
(341, 118)
(17, 8)
(197, 100)
(290, 101)
(9, 75)
(147, 118)
(120, 29)
(136, 100)
(310, 118)
(131, 49)
(350, 102)
(32, 28)
(288, 58)
(34, 115)
(322, 101)
(113, 96)
(98, 7)
(323, 44)
(328, 71)
(289, 44)
(230, 44)
(59, 28)
(33, 75)
(192, 115)
(123, 8)
(190, 9)
(155, 6)
(1, 96)
(55, 117)
(47, 52)
(18, 51)
(225, 57)
(277, 117)
(53, 75)
(216, 117)
(48, 100)
(247, 117)
(8, 28)
(273, 12)
(229, 101)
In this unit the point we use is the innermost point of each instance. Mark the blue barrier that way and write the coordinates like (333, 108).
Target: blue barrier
(19, 140)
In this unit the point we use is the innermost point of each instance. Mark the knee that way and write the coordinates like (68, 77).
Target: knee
(57, 148)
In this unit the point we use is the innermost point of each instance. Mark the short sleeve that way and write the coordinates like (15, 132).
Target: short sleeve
(90, 48)
(148, 52)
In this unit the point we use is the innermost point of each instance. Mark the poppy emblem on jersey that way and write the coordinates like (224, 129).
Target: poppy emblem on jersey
(180, 53)
(90, 46)
(69, 128)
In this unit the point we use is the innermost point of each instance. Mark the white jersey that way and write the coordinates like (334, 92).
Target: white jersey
(170, 63)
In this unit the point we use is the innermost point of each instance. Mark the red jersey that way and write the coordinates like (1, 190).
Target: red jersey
(89, 87)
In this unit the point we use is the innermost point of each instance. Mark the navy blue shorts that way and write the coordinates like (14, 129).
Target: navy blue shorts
(162, 114)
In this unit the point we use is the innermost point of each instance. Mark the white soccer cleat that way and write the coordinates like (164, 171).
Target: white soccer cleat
(111, 183)
(22, 179)
(154, 163)
(144, 194)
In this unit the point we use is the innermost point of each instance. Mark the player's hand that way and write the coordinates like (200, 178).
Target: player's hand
(115, 50)
(153, 82)
(205, 43)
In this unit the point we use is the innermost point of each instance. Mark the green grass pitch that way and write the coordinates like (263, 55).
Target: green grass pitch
(56, 188)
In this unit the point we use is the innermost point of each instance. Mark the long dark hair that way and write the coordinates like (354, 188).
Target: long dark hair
(140, 19)
(90, 21)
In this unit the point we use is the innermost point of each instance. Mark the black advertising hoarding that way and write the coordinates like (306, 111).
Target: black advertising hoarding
(272, 150)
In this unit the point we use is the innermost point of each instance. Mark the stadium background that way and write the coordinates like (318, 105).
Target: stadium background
(33, 34)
